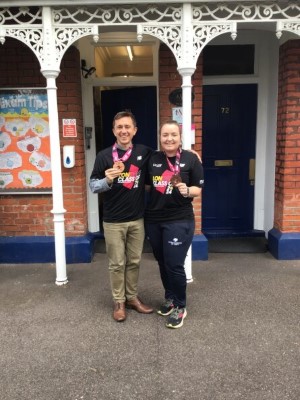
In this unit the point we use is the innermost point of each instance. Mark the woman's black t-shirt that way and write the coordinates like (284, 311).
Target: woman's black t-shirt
(166, 203)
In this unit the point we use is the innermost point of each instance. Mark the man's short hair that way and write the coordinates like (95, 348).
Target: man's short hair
(123, 114)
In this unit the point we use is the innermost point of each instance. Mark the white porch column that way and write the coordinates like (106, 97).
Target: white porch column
(50, 70)
(57, 192)
(186, 69)
(186, 74)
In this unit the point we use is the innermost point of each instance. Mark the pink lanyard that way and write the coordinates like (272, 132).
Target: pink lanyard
(125, 156)
(175, 168)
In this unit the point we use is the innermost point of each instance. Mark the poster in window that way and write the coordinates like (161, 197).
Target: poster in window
(25, 164)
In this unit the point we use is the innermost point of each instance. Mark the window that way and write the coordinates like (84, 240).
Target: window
(228, 60)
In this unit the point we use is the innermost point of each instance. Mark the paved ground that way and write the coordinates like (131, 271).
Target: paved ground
(240, 340)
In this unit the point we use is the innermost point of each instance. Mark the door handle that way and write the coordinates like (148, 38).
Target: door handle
(252, 171)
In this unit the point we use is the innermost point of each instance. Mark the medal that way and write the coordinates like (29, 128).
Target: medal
(175, 179)
(119, 165)
(175, 169)
(118, 162)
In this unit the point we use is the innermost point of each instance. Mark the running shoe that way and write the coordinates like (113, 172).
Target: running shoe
(176, 318)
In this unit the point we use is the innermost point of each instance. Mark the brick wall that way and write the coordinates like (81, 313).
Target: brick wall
(287, 180)
(30, 215)
(74, 179)
(170, 79)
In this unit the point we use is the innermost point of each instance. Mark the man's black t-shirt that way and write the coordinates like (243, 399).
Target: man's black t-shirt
(125, 200)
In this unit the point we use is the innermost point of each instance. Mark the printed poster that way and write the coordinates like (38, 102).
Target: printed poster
(25, 164)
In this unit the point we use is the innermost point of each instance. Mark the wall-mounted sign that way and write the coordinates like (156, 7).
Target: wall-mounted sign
(177, 114)
(69, 128)
(175, 97)
(25, 164)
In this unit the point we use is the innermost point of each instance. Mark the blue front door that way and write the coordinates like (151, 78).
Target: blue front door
(229, 134)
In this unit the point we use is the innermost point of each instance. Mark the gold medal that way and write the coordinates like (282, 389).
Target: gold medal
(175, 179)
(119, 165)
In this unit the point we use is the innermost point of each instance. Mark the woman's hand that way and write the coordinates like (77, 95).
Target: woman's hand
(183, 189)
(186, 191)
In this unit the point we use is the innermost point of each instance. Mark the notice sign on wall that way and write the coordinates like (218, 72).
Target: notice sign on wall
(69, 128)
(25, 164)
(177, 114)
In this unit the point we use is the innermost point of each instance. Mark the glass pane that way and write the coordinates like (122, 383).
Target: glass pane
(228, 60)
(133, 60)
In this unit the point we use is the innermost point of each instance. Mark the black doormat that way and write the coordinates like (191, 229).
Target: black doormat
(238, 245)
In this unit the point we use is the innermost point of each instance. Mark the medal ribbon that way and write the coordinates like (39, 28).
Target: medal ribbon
(115, 155)
(175, 168)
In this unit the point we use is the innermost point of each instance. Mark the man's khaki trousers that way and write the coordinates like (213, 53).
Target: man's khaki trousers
(124, 245)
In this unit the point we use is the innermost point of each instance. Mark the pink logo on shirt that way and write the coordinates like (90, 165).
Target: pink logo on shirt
(130, 181)
(161, 183)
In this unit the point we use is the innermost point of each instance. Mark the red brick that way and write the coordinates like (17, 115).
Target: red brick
(25, 215)
(287, 204)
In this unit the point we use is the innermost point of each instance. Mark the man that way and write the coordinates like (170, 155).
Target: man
(119, 173)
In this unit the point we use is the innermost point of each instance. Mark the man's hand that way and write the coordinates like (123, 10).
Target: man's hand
(111, 174)
(195, 152)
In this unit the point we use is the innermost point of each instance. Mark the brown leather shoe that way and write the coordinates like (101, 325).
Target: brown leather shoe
(119, 312)
(138, 306)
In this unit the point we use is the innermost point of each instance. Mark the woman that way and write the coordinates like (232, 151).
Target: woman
(176, 177)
